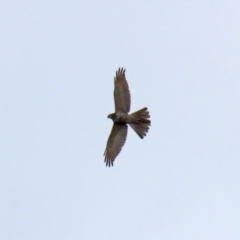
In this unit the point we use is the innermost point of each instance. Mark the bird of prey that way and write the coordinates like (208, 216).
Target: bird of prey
(139, 121)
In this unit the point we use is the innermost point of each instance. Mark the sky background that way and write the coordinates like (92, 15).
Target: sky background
(57, 63)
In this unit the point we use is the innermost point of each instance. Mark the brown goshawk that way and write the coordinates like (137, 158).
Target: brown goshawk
(139, 121)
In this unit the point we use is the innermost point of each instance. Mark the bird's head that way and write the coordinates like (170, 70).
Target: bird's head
(111, 115)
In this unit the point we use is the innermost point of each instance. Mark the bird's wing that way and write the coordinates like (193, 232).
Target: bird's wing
(115, 143)
(122, 95)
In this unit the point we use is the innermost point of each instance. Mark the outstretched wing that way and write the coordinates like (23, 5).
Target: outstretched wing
(122, 95)
(115, 143)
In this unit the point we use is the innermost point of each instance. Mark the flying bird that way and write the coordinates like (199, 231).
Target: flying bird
(139, 121)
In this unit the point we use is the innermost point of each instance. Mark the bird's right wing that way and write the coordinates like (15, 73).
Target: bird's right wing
(115, 143)
(122, 95)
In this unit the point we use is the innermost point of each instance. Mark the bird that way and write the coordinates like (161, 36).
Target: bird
(139, 121)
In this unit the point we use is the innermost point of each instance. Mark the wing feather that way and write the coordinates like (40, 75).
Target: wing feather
(122, 95)
(115, 143)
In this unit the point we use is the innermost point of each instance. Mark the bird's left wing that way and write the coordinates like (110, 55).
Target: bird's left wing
(115, 143)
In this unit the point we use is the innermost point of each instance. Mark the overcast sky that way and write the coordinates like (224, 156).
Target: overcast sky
(57, 63)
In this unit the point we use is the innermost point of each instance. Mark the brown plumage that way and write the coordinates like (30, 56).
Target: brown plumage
(138, 121)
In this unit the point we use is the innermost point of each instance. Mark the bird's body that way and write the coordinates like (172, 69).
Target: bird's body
(119, 117)
(139, 121)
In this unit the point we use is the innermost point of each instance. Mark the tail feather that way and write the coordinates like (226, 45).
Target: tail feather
(140, 123)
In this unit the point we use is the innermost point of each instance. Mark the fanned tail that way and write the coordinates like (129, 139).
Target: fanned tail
(140, 122)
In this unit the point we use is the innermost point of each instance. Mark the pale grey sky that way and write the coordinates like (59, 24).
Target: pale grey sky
(58, 60)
